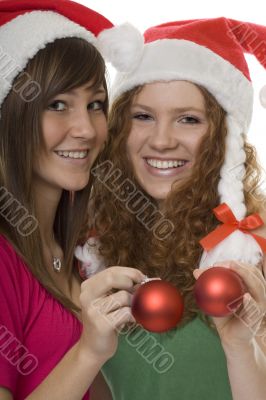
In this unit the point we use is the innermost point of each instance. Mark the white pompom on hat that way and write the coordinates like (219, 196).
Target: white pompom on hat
(125, 53)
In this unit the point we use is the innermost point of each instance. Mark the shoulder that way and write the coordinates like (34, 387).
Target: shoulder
(12, 287)
(7, 252)
(13, 270)
(4, 244)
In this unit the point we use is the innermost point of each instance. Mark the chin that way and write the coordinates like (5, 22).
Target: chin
(76, 186)
(158, 195)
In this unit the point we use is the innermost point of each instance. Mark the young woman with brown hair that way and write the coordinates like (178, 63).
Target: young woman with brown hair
(55, 332)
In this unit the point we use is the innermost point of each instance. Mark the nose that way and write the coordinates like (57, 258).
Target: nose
(83, 126)
(163, 137)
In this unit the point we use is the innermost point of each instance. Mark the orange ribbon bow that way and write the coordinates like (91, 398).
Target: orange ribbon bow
(230, 224)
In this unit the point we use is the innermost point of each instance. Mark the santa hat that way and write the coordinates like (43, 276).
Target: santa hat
(26, 26)
(210, 53)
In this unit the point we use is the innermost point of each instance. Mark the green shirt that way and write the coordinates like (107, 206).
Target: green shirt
(187, 363)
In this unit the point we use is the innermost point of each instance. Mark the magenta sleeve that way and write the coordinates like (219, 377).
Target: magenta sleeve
(11, 332)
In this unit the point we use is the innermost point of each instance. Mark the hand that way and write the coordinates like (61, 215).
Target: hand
(242, 326)
(105, 312)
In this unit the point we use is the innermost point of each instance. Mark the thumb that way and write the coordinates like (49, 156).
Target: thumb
(198, 271)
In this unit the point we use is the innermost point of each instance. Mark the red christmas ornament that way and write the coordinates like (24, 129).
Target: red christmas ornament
(157, 306)
(219, 291)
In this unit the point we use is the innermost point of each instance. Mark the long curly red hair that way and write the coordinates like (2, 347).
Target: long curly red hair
(124, 238)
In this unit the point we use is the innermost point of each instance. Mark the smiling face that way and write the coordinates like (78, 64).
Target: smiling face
(168, 123)
(74, 130)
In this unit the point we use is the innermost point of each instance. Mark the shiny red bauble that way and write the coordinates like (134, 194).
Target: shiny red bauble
(157, 306)
(219, 291)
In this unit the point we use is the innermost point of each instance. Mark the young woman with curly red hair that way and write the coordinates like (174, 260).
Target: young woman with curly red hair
(176, 150)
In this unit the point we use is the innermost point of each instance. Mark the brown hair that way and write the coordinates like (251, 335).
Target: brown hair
(62, 65)
(124, 238)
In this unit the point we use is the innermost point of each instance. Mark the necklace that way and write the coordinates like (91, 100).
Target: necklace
(57, 264)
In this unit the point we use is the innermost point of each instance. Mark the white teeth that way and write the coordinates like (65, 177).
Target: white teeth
(72, 154)
(165, 164)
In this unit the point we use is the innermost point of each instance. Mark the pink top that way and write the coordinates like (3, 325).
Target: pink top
(36, 331)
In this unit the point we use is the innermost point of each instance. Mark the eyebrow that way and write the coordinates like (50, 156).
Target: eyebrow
(176, 109)
(95, 90)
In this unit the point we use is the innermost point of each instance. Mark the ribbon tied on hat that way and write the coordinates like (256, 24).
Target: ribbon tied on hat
(230, 224)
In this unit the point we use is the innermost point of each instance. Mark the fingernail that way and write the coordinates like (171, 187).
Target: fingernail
(246, 299)
(149, 279)
(144, 279)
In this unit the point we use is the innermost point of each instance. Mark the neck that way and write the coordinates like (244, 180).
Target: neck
(47, 200)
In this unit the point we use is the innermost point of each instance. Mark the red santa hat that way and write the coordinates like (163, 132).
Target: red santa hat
(26, 26)
(210, 53)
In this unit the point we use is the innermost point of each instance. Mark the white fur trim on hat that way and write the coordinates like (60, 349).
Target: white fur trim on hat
(91, 260)
(122, 45)
(25, 35)
(173, 59)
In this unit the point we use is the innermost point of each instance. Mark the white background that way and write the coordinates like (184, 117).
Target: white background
(146, 13)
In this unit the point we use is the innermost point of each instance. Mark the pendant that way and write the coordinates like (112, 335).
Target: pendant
(57, 264)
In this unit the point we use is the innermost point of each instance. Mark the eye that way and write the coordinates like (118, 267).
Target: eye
(57, 105)
(97, 105)
(188, 119)
(142, 116)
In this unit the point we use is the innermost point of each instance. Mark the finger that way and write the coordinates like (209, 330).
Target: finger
(133, 273)
(257, 269)
(112, 302)
(198, 271)
(253, 279)
(111, 278)
(251, 314)
(135, 287)
(118, 318)
(264, 270)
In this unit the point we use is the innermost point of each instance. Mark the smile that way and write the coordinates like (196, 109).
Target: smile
(166, 168)
(72, 154)
(165, 164)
